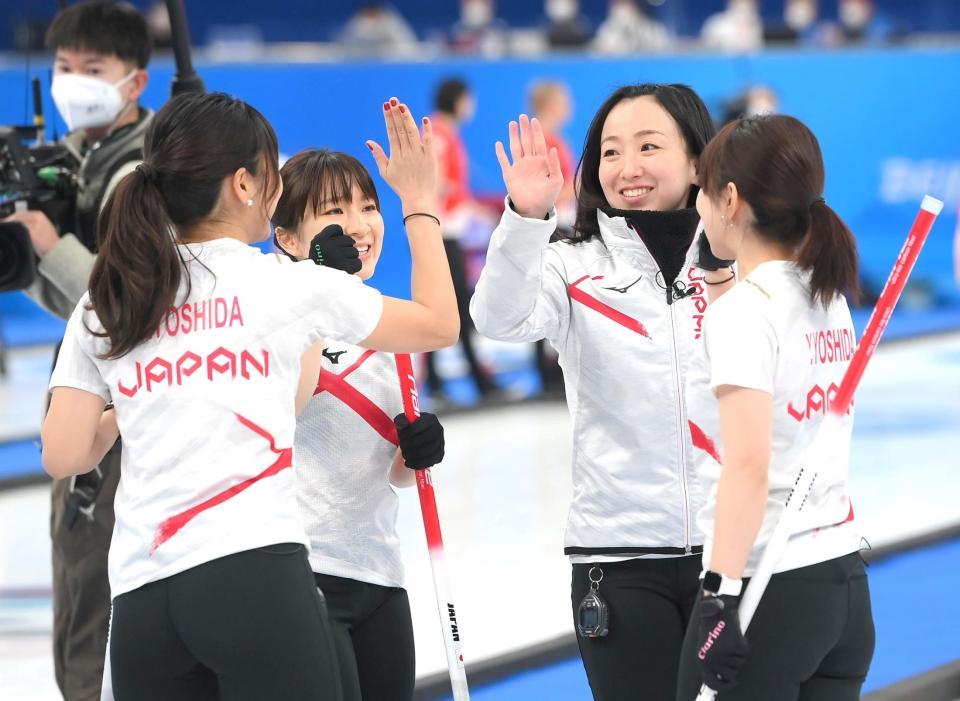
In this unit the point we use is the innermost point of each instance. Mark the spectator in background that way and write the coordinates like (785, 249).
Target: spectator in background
(801, 25)
(754, 101)
(378, 30)
(627, 30)
(478, 31)
(550, 102)
(158, 22)
(861, 23)
(454, 105)
(738, 29)
(567, 28)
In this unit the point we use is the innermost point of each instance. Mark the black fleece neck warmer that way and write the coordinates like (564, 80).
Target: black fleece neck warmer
(667, 235)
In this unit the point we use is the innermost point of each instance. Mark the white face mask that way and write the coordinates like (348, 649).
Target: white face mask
(854, 15)
(743, 7)
(85, 102)
(623, 12)
(561, 10)
(800, 15)
(476, 14)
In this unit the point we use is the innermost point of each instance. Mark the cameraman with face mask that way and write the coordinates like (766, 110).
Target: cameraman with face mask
(101, 52)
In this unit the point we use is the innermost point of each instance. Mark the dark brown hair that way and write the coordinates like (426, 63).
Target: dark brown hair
(193, 143)
(776, 165)
(681, 103)
(316, 178)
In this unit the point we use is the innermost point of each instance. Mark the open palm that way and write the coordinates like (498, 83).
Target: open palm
(411, 168)
(534, 179)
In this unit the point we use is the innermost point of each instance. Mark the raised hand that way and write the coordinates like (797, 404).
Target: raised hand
(411, 168)
(534, 180)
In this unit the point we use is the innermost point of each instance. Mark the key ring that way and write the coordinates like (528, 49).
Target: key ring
(595, 583)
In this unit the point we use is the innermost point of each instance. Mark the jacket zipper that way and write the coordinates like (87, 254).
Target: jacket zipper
(683, 452)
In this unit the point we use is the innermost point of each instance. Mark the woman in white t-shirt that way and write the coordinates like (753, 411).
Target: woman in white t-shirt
(775, 350)
(348, 436)
(196, 337)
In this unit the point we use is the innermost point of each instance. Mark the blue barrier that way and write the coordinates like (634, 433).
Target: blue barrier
(886, 120)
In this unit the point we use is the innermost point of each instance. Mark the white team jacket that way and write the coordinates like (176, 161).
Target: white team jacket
(624, 352)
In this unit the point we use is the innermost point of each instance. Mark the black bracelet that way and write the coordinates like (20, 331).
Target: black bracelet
(420, 214)
(721, 282)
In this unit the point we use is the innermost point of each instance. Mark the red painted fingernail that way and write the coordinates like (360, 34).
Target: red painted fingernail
(403, 110)
(425, 120)
(393, 101)
(386, 106)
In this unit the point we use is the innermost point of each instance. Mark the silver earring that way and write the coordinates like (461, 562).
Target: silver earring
(250, 202)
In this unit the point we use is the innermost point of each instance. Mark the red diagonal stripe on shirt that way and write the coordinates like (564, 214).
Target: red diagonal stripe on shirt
(626, 321)
(357, 363)
(172, 525)
(702, 441)
(360, 403)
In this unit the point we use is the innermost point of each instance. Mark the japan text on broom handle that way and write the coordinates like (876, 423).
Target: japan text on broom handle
(431, 524)
(929, 209)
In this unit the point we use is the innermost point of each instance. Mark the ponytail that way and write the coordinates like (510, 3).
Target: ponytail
(776, 164)
(829, 252)
(193, 143)
(137, 271)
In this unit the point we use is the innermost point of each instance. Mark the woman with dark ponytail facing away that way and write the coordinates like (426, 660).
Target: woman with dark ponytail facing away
(775, 349)
(195, 338)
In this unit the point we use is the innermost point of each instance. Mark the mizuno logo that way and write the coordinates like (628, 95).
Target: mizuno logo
(623, 290)
(333, 356)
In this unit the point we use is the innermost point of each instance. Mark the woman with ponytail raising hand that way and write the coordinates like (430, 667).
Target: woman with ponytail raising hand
(775, 348)
(196, 339)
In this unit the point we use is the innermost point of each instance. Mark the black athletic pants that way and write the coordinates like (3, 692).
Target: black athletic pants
(458, 272)
(373, 637)
(650, 602)
(250, 626)
(811, 639)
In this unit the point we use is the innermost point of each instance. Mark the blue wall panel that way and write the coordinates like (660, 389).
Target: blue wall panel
(886, 120)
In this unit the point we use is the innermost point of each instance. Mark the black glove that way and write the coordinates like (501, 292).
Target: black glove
(421, 442)
(334, 249)
(721, 647)
(705, 258)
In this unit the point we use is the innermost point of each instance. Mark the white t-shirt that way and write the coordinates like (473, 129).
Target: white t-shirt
(205, 405)
(765, 334)
(345, 443)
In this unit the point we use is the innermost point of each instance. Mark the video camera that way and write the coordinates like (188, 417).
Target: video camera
(40, 177)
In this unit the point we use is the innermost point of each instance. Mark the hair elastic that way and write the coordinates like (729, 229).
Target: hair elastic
(420, 214)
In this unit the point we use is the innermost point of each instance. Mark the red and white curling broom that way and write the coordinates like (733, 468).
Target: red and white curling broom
(788, 524)
(431, 524)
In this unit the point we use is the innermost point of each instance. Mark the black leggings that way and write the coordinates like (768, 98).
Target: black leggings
(373, 637)
(810, 640)
(246, 626)
(650, 601)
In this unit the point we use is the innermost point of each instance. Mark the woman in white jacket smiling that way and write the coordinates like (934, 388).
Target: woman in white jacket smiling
(623, 303)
